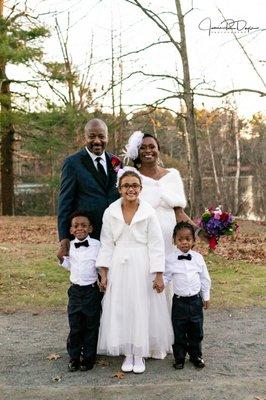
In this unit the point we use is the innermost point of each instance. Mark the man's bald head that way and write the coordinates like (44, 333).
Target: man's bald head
(96, 135)
(95, 122)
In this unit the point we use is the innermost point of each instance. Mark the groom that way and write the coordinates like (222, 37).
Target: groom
(88, 183)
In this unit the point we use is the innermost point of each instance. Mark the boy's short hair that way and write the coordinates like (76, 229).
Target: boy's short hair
(184, 224)
(80, 213)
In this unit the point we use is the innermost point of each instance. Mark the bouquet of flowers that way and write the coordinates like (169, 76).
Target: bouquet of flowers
(217, 223)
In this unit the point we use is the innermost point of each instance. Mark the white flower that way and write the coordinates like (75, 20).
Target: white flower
(131, 150)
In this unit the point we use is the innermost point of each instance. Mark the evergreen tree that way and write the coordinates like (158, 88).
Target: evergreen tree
(20, 44)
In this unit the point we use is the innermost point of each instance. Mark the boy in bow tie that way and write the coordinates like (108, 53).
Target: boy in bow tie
(191, 285)
(84, 304)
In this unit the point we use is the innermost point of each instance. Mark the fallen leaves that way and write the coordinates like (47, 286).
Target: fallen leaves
(27, 230)
(9, 310)
(247, 245)
(102, 363)
(57, 378)
(53, 357)
(119, 375)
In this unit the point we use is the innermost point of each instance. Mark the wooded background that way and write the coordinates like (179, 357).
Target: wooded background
(220, 155)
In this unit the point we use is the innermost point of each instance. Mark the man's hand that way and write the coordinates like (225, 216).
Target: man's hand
(158, 283)
(63, 249)
(206, 304)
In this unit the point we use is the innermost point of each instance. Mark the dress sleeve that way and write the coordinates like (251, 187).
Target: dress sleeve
(173, 193)
(155, 245)
(168, 275)
(107, 243)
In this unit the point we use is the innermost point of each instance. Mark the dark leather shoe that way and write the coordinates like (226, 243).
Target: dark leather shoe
(73, 365)
(197, 362)
(86, 366)
(178, 365)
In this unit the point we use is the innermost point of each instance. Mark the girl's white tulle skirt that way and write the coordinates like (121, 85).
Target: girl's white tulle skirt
(135, 318)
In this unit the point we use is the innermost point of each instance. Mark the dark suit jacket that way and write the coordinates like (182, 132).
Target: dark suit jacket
(82, 189)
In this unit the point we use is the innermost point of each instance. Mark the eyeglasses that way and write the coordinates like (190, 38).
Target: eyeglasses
(134, 186)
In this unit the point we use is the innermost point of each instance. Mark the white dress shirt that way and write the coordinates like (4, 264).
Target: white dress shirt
(189, 276)
(81, 262)
(94, 156)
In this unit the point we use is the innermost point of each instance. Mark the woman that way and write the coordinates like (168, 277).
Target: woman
(135, 321)
(162, 187)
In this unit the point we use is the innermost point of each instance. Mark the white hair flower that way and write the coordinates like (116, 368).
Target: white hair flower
(131, 150)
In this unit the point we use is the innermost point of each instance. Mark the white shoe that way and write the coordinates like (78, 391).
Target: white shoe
(139, 365)
(127, 365)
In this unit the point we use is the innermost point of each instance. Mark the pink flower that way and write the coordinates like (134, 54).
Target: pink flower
(217, 214)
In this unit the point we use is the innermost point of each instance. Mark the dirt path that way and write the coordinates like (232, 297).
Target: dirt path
(233, 352)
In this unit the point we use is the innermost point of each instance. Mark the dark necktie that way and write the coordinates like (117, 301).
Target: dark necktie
(79, 244)
(101, 169)
(187, 257)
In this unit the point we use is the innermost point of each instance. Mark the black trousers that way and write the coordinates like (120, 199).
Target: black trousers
(84, 310)
(187, 320)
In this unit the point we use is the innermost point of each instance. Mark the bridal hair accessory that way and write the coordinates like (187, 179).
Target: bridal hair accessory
(121, 172)
(131, 150)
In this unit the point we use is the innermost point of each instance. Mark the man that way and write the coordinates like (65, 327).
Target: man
(88, 183)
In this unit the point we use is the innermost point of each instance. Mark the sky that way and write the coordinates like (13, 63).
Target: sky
(215, 57)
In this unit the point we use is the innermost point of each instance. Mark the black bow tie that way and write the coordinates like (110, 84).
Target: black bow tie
(79, 244)
(182, 257)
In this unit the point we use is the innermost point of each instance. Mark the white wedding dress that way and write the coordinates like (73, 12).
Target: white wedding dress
(135, 318)
(163, 195)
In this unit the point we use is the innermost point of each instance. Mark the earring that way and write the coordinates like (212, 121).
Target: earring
(159, 162)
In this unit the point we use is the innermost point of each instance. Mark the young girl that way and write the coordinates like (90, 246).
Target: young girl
(135, 321)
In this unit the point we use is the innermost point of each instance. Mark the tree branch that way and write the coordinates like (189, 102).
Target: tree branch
(157, 20)
(144, 48)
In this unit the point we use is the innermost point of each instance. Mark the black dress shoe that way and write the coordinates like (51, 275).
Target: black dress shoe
(198, 362)
(73, 365)
(178, 365)
(86, 366)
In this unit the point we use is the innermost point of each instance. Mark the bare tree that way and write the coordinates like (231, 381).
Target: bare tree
(237, 174)
(186, 94)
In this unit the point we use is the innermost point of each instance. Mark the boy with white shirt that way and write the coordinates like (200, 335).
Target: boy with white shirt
(191, 285)
(84, 304)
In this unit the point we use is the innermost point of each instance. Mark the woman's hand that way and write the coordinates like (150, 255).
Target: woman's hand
(158, 283)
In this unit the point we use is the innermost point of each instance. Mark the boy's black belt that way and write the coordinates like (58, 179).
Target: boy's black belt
(187, 298)
(84, 286)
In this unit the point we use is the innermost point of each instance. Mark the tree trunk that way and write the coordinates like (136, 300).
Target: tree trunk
(7, 141)
(217, 187)
(190, 116)
(237, 175)
(189, 165)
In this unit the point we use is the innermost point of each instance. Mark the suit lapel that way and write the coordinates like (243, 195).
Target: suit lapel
(89, 164)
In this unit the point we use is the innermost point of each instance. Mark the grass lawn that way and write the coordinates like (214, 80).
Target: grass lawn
(30, 277)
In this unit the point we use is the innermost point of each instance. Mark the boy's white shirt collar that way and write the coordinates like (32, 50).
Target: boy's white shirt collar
(143, 211)
(78, 241)
(179, 252)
